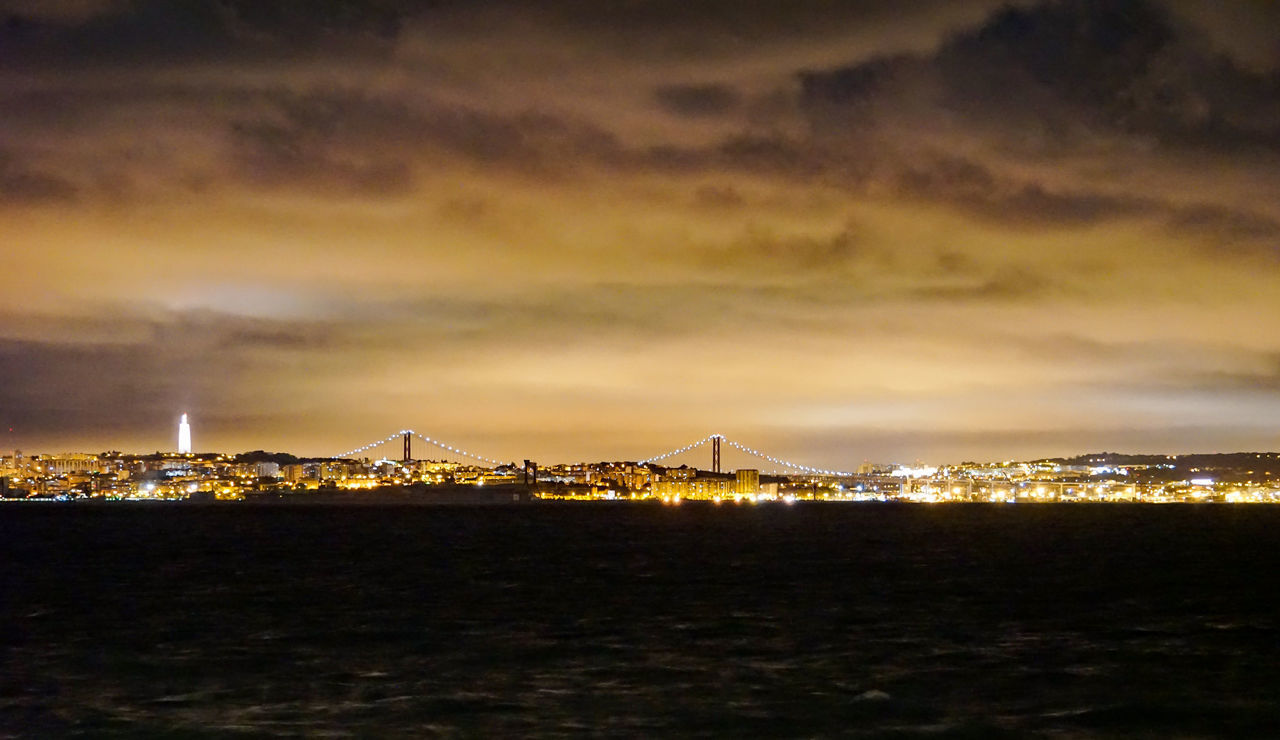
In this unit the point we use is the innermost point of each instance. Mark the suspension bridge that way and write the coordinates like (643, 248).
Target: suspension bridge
(716, 442)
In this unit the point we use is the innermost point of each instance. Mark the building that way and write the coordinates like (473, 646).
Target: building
(693, 484)
(747, 482)
(297, 472)
(66, 464)
(334, 471)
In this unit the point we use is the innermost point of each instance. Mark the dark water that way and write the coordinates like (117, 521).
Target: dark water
(803, 621)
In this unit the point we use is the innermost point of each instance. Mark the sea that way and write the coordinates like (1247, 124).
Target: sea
(810, 620)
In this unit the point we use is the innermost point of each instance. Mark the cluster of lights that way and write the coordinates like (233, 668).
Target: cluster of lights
(748, 450)
(437, 443)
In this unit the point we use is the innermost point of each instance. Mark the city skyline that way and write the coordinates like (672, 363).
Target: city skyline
(369, 475)
(704, 454)
(838, 232)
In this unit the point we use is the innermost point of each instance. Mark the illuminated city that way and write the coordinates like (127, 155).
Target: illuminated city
(360, 475)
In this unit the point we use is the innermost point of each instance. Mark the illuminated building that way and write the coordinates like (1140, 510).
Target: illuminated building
(695, 484)
(68, 463)
(184, 436)
(295, 473)
(747, 482)
(334, 471)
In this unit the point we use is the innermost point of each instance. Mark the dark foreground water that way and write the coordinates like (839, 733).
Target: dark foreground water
(582, 620)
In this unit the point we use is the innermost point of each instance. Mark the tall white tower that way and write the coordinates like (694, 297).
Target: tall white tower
(184, 435)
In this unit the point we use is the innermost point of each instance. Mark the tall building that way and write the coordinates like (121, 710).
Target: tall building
(184, 435)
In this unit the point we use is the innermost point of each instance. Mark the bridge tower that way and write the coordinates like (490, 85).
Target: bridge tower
(408, 447)
(715, 454)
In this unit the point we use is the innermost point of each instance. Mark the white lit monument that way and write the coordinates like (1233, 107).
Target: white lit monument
(184, 435)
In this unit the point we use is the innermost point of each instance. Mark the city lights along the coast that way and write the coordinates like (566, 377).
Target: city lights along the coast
(838, 232)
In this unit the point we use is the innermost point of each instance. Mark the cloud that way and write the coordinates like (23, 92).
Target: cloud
(347, 142)
(86, 34)
(698, 100)
(127, 373)
(970, 186)
(1224, 223)
(1068, 66)
(1068, 115)
(22, 185)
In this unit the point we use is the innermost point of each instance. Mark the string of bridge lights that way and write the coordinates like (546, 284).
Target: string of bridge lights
(371, 445)
(680, 450)
(672, 453)
(749, 451)
(776, 461)
(437, 443)
(455, 450)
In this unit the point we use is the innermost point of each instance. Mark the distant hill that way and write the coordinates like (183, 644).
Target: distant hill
(1220, 465)
(259, 456)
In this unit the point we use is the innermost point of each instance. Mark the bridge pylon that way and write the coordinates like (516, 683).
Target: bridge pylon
(715, 454)
(407, 437)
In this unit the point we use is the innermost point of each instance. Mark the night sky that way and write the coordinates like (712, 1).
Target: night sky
(582, 230)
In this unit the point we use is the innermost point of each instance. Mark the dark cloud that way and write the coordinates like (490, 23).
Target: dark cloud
(698, 100)
(65, 11)
(770, 253)
(1265, 379)
(112, 377)
(347, 143)
(670, 30)
(382, 18)
(1065, 67)
(1225, 223)
(50, 387)
(775, 155)
(20, 184)
(1245, 30)
(146, 30)
(711, 196)
(175, 30)
(1090, 51)
(1041, 62)
(973, 187)
(373, 143)
(838, 99)
(105, 390)
(339, 140)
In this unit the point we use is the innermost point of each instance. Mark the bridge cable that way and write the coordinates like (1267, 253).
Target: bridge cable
(436, 442)
(680, 450)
